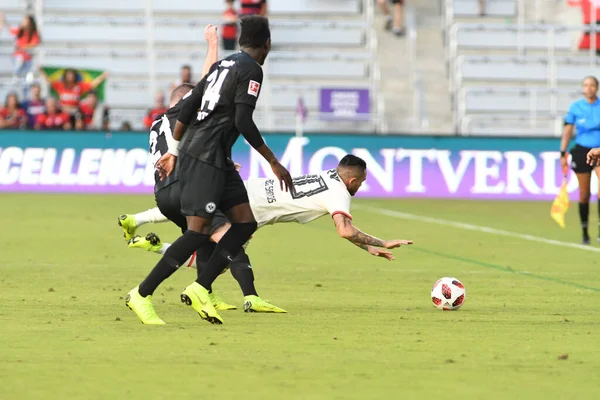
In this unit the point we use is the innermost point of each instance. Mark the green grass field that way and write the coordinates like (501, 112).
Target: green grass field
(358, 327)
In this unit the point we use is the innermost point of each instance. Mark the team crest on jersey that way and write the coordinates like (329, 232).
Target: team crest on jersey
(253, 88)
(211, 207)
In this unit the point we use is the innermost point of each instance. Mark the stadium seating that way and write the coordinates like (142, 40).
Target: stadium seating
(509, 77)
(123, 31)
(498, 124)
(276, 7)
(510, 37)
(531, 70)
(310, 49)
(517, 100)
(494, 8)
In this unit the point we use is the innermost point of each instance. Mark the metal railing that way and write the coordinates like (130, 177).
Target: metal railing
(529, 114)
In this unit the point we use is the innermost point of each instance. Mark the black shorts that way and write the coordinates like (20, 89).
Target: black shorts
(168, 201)
(401, 2)
(206, 189)
(579, 163)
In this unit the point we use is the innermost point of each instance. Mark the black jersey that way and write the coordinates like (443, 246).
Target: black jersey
(160, 134)
(210, 137)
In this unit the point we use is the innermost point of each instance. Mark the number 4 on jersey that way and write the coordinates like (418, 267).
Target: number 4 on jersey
(212, 93)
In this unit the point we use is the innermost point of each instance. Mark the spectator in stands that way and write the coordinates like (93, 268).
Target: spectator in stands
(159, 109)
(71, 89)
(482, 8)
(584, 114)
(230, 27)
(254, 7)
(394, 22)
(84, 119)
(34, 106)
(27, 38)
(53, 118)
(11, 115)
(184, 77)
(126, 126)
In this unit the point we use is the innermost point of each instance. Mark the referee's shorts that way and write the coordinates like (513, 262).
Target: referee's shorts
(579, 163)
(168, 201)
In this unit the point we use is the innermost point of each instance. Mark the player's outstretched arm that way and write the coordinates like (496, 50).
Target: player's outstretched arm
(375, 251)
(212, 54)
(348, 231)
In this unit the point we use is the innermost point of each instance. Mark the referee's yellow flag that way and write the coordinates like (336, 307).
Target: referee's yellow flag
(560, 204)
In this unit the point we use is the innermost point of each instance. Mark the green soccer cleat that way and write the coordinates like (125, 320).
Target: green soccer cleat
(150, 243)
(198, 297)
(142, 307)
(219, 304)
(127, 222)
(256, 304)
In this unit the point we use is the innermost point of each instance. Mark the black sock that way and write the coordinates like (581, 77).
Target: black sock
(242, 272)
(584, 213)
(228, 247)
(203, 254)
(173, 258)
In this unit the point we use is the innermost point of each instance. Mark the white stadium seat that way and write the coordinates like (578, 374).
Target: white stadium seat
(493, 8)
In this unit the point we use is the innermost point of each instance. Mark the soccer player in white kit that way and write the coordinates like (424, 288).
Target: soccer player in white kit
(328, 192)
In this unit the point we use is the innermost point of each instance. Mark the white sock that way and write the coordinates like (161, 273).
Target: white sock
(152, 215)
(164, 248)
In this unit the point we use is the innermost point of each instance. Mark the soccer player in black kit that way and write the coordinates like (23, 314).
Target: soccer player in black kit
(217, 110)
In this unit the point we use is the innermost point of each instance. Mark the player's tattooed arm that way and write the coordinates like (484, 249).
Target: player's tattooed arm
(348, 231)
(375, 251)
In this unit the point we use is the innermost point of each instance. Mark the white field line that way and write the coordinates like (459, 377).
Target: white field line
(476, 228)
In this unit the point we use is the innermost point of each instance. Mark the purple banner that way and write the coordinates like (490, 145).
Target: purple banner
(345, 103)
(398, 166)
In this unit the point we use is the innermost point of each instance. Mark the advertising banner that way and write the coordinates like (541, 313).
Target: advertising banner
(398, 166)
(345, 103)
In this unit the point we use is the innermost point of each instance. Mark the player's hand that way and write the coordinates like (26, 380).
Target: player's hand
(210, 34)
(237, 166)
(564, 163)
(166, 165)
(380, 253)
(593, 157)
(392, 244)
(285, 179)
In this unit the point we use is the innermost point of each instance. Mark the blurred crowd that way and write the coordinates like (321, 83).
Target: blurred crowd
(73, 103)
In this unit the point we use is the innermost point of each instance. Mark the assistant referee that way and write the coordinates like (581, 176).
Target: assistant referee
(584, 115)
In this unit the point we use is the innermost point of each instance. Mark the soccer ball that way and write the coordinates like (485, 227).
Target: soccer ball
(448, 294)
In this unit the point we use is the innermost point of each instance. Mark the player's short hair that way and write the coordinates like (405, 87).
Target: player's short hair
(352, 161)
(180, 91)
(592, 78)
(255, 31)
(186, 66)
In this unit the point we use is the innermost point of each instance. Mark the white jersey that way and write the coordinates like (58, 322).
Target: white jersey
(316, 195)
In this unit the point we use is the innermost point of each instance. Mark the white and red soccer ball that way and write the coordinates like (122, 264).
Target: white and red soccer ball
(448, 294)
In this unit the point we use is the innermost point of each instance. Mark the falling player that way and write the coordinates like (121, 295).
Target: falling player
(328, 192)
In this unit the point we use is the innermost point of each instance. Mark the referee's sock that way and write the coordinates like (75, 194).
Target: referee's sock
(242, 272)
(174, 257)
(230, 245)
(584, 213)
